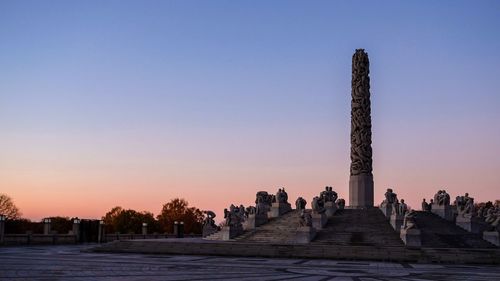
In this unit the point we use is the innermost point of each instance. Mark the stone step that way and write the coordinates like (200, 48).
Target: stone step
(278, 230)
(359, 227)
(440, 233)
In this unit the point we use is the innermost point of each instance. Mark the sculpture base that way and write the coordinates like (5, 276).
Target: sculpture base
(305, 234)
(330, 209)
(230, 232)
(254, 220)
(386, 209)
(318, 220)
(444, 211)
(361, 191)
(411, 237)
(209, 230)
(397, 222)
(472, 224)
(278, 209)
(493, 237)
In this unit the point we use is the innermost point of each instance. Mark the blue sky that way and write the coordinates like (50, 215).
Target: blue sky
(260, 90)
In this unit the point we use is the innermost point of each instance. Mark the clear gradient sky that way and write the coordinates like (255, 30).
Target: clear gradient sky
(132, 103)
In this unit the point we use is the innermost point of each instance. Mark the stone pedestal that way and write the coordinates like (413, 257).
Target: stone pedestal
(411, 237)
(493, 237)
(444, 211)
(386, 210)
(144, 228)
(278, 209)
(305, 234)
(330, 209)
(361, 191)
(254, 220)
(471, 224)
(208, 230)
(318, 220)
(397, 222)
(101, 232)
(46, 226)
(76, 230)
(230, 232)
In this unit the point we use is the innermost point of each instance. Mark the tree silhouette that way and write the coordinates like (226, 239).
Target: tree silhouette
(7, 207)
(179, 210)
(129, 221)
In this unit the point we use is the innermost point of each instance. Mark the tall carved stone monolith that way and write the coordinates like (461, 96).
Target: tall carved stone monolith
(361, 179)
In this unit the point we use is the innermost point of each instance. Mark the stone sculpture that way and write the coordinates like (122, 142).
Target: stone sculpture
(209, 226)
(263, 202)
(341, 203)
(305, 218)
(390, 197)
(318, 206)
(361, 178)
(465, 206)
(328, 195)
(425, 206)
(282, 196)
(233, 224)
(250, 210)
(300, 203)
(402, 208)
(492, 219)
(410, 234)
(389, 204)
(234, 216)
(409, 221)
(279, 204)
(441, 205)
(442, 198)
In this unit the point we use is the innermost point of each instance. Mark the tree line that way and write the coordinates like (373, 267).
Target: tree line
(117, 219)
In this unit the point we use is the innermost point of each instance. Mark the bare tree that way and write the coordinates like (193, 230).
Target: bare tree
(7, 207)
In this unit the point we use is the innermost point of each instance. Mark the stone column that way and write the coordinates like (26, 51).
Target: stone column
(46, 226)
(144, 228)
(101, 234)
(76, 229)
(361, 179)
(2, 228)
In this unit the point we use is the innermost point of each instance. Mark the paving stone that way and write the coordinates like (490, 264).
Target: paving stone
(69, 263)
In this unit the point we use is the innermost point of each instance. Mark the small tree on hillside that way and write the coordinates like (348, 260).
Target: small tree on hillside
(178, 210)
(7, 207)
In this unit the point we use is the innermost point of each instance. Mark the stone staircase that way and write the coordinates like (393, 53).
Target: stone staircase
(281, 230)
(359, 227)
(440, 233)
(214, 236)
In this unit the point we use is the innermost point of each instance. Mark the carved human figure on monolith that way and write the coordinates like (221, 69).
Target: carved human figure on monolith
(361, 178)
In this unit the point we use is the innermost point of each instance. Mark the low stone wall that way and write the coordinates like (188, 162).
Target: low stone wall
(37, 239)
(397, 254)
(119, 236)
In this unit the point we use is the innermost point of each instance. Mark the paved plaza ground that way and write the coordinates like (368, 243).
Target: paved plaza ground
(69, 263)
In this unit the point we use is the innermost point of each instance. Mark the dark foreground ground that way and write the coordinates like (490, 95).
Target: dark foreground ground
(68, 263)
